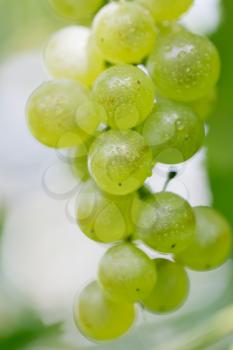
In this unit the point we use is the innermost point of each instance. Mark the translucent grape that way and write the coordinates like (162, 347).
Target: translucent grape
(72, 54)
(126, 273)
(103, 217)
(205, 106)
(77, 10)
(78, 162)
(165, 222)
(184, 66)
(212, 242)
(174, 132)
(120, 161)
(99, 318)
(126, 93)
(166, 10)
(61, 114)
(171, 288)
(124, 32)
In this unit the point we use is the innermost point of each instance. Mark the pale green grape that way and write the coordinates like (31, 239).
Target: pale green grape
(171, 288)
(126, 93)
(212, 242)
(72, 54)
(174, 132)
(120, 161)
(79, 10)
(204, 107)
(166, 10)
(78, 162)
(165, 222)
(99, 318)
(61, 114)
(184, 66)
(126, 273)
(103, 217)
(124, 32)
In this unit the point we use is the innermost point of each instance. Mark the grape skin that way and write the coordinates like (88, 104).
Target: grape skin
(126, 273)
(184, 66)
(212, 242)
(124, 32)
(164, 222)
(120, 161)
(72, 54)
(171, 288)
(126, 93)
(99, 318)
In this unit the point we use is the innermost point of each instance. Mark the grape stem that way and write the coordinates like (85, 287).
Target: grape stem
(170, 176)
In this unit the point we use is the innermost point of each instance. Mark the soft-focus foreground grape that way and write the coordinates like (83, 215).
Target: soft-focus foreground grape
(163, 10)
(204, 106)
(99, 318)
(126, 273)
(165, 222)
(124, 32)
(103, 217)
(211, 245)
(174, 132)
(120, 161)
(61, 114)
(72, 54)
(171, 288)
(126, 93)
(184, 66)
(81, 11)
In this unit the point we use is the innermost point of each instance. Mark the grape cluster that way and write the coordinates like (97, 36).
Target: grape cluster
(133, 89)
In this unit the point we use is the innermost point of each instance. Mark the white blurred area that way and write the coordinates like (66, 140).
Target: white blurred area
(45, 256)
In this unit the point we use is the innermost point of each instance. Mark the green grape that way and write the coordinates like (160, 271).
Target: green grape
(166, 10)
(171, 289)
(126, 93)
(126, 273)
(103, 217)
(205, 106)
(99, 318)
(77, 10)
(61, 114)
(164, 221)
(78, 162)
(211, 245)
(120, 161)
(174, 132)
(184, 66)
(124, 32)
(72, 54)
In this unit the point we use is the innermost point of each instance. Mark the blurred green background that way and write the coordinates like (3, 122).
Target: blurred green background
(24, 26)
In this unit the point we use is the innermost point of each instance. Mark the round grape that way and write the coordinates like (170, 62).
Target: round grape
(126, 273)
(99, 318)
(165, 222)
(126, 93)
(120, 161)
(174, 132)
(212, 242)
(124, 32)
(184, 66)
(171, 288)
(72, 54)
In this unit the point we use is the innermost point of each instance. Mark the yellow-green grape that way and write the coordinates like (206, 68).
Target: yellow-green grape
(79, 162)
(184, 66)
(171, 288)
(71, 53)
(212, 242)
(61, 114)
(205, 106)
(124, 32)
(77, 10)
(174, 132)
(126, 273)
(165, 222)
(120, 161)
(99, 318)
(166, 10)
(103, 217)
(126, 93)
